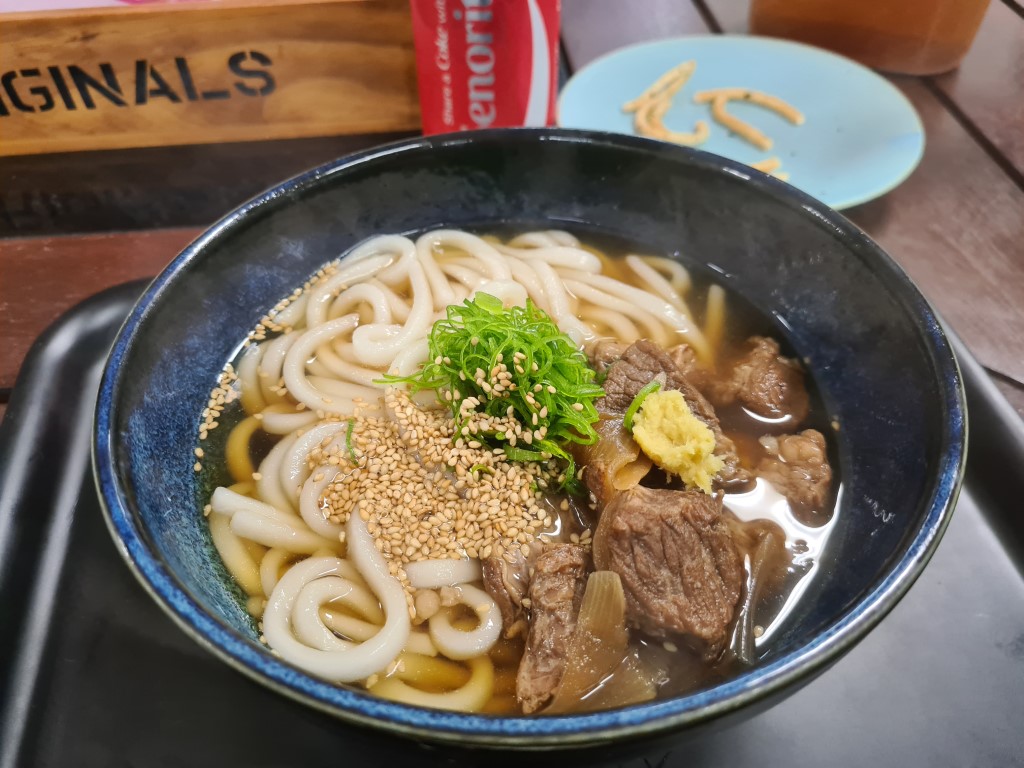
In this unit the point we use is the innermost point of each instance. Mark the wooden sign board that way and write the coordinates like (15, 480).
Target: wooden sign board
(197, 73)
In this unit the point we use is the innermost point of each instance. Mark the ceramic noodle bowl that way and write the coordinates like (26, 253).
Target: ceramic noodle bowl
(883, 369)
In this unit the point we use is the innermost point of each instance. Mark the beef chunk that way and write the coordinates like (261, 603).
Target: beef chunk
(680, 568)
(643, 361)
(686, 361)
(797, 465)
(507, 580)
(604, 353)
(556, 591)
(638, 364)
(764, 381)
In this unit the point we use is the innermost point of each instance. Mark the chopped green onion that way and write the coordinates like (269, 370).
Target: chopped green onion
(543, 372)
(481, 468)
(348, 442)
(627, 420)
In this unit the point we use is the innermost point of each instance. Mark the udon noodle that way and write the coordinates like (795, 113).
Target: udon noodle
(341, 585)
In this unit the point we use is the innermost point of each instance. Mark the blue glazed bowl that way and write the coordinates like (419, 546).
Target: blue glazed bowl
(874, 346)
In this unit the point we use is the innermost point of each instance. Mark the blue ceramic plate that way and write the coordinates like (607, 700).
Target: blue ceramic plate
(861, 137)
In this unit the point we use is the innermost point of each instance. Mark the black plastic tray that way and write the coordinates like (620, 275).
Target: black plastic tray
(92, 673)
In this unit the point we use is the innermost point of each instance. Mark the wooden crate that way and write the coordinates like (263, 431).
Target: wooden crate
(194, 73)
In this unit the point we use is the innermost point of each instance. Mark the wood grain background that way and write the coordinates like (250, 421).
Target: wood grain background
(342, 67)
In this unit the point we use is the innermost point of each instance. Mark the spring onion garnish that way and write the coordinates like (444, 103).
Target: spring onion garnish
(348, 442)
(512, 365)
(651, 386)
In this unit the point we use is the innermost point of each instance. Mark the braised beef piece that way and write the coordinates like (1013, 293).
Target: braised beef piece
(686, 361)
(765, 382)
(639, 364)
(556, 592)
(680, 568)
(797, 465)
(507, 580)
(604, 353)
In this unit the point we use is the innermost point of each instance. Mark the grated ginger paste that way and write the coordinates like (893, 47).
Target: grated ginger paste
(676, 440)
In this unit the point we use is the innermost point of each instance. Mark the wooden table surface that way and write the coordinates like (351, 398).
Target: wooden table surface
(72, 225)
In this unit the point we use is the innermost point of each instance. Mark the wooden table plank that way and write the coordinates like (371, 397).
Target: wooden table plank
(988, 88)
(956, 225)
(41, 278)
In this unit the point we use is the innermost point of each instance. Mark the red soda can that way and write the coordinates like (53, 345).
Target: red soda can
(486, 63)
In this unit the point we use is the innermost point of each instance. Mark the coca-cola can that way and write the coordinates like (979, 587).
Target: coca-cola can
(486, 63)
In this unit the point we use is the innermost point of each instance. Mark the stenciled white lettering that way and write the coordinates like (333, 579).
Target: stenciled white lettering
(480, 59)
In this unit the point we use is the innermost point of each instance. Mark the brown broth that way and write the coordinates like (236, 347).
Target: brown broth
(792, 564)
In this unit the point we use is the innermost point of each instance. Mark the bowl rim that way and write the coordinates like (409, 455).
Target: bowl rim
(576, 730)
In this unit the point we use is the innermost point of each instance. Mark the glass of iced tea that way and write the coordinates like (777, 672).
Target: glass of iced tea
(913, 37)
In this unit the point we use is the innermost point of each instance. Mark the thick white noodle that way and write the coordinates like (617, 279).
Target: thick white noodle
(276, 559)
(249, 380)
(399, 306)
(534, 240)
(652, 326)
(352, 662)
(285, 422)
(338, 360)
(352, 269)
(511, 293)
(295, 467)
(654, 280)
(471, 697)
(270, 567)
(378, 344)
(544, 239)
(294, 371)
(309, 502)
(268, 485)
(262, 523)
(316, 367)
(366, 296)
(523, 274)
(561, 237)
(558, 256)
(439, 287)
(467, 276)
(276, 532)
(476, 247)
(294, 314)
(235, 555)
(560, 307)
(402, 250)
(620, 326)
(307, 624)
(458, 644)
(270, 366)
(676, 273)
(359, 630)
(344, 390)
(677, 319)
(410, 359)
(431, 574)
